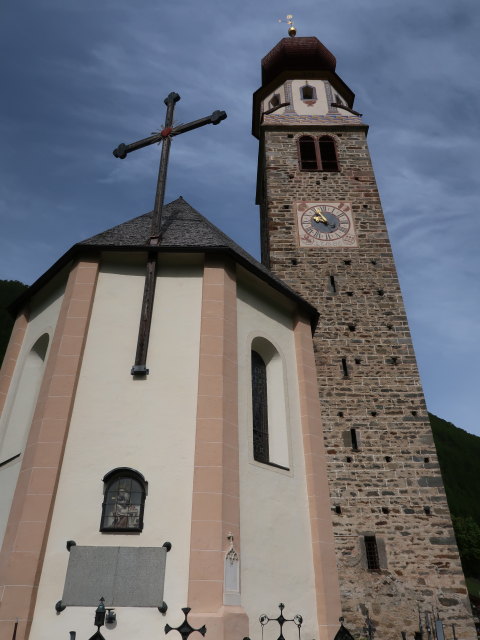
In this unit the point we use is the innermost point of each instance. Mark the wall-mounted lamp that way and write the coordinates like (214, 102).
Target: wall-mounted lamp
(100, 614)
(111, 616)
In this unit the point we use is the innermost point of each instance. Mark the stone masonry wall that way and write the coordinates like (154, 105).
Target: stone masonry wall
(384, 488)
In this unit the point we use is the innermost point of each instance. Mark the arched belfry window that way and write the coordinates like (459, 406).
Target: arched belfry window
(269, 405)
(124, 499)
(317, 154)
(259, 408)
(328, 154)
(308, 153)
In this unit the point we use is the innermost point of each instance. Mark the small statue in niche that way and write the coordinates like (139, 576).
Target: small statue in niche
(125, 514)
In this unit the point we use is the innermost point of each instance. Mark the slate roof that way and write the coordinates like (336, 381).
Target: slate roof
(183, 230)
(182, 227)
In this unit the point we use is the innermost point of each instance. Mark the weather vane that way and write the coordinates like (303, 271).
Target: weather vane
(291, 29)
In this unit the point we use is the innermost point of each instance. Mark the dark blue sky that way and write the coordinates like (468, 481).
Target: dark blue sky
(78, 78)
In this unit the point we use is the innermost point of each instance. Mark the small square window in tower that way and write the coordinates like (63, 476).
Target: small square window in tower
(308, 94)
(371, 553)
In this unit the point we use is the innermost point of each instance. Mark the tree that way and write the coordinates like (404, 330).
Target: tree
(467, 532)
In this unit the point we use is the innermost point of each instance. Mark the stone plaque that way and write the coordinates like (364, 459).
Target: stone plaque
(124, 576)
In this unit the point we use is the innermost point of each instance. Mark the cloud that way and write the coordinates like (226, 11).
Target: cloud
(84, 77)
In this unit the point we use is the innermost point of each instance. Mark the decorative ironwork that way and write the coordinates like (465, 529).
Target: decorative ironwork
(343, 633)
(165, 137)
(297, 620)
(185, 629)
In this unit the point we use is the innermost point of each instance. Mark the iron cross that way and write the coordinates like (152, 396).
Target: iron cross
(165, 137)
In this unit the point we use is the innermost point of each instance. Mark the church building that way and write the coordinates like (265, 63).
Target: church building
(275, 448)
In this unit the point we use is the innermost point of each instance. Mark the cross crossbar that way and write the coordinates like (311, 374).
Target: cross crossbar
(165, 137)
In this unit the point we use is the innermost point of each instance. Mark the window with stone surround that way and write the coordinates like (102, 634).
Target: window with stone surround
(124, 499)
(259, 408)
(269, 414)
(317, 154)
(308, 93)
(371, 553)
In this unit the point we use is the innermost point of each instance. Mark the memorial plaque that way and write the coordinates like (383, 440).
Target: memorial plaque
(124, 576)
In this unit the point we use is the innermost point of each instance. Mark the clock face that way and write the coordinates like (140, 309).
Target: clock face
(326, 224)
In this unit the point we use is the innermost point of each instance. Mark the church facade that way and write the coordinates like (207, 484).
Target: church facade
(278, 450)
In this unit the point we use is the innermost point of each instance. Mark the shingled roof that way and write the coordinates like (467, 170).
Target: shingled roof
(183, 227)
(183, 230)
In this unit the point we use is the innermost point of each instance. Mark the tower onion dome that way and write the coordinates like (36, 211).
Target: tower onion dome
(295, 54)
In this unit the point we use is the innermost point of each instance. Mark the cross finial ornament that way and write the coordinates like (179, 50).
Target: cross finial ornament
(185, 629)
(165, 137)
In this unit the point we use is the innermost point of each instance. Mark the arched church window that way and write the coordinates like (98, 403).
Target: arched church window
(307, 92)
(274, 101)
(124, 499)
(260, 408)
(317, 154)
(269, 405)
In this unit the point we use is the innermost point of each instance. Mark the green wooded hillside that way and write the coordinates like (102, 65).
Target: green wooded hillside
(459, 458)
(9, 290)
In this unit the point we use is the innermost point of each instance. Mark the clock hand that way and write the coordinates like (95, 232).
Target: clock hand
(319, 217)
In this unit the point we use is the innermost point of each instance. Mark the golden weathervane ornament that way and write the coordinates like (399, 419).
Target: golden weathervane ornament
(291, 29)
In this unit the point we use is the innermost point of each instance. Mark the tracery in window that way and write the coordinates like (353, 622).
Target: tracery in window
(123, 505)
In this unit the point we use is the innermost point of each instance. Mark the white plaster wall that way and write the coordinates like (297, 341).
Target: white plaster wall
(22, 395)
(148, 425)
(281, 92)
(300, 107)
(276, 550)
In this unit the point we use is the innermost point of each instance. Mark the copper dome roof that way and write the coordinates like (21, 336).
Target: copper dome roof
(297, 54)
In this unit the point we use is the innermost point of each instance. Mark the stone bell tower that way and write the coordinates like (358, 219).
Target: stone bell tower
(323, 232)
